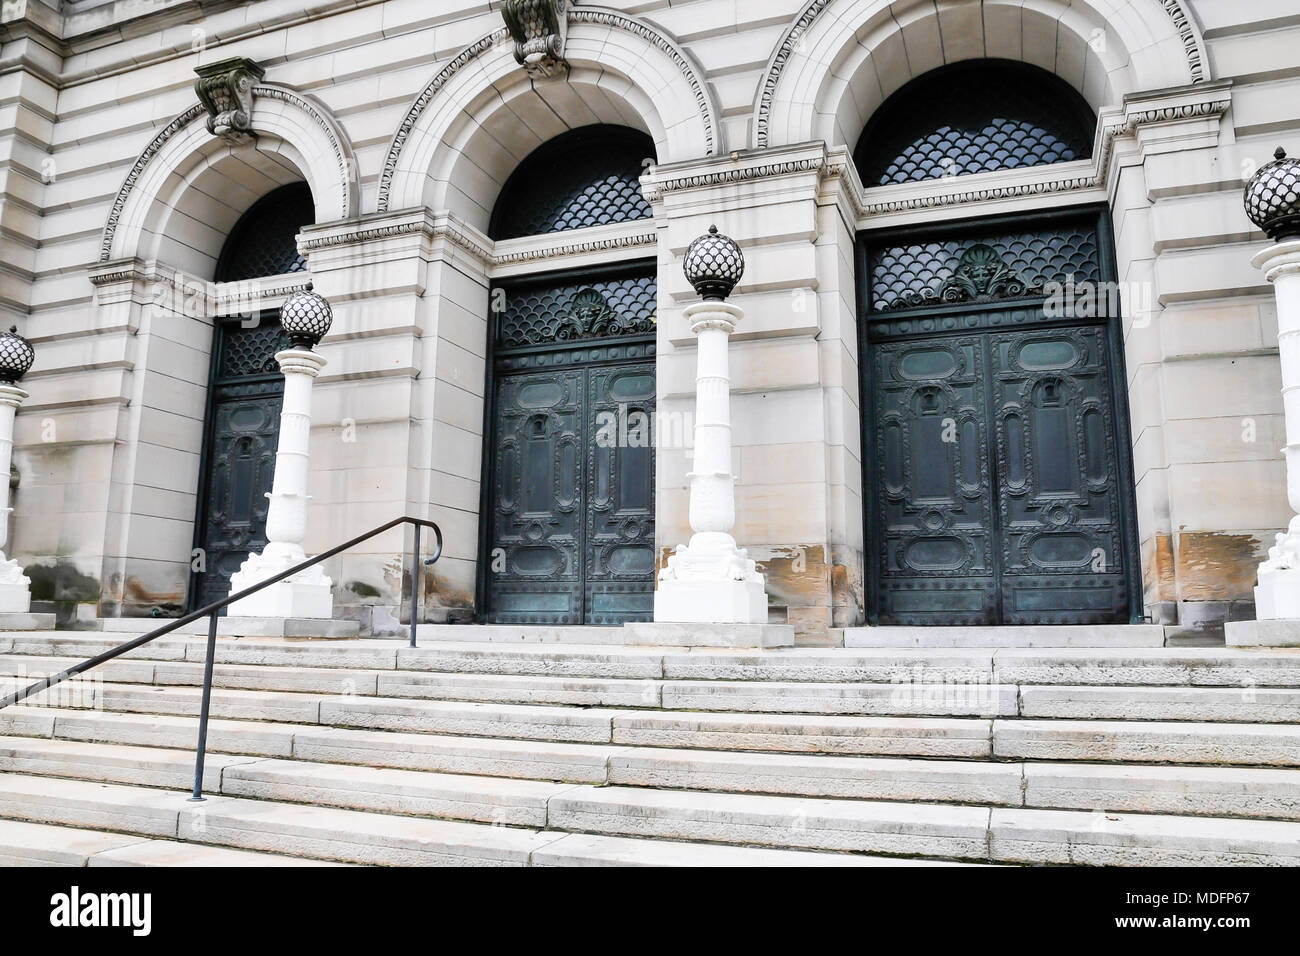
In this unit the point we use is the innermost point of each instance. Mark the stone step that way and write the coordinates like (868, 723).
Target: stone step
(898, 735)
(1276, 745)
(529, 759)
(326, 833)
(39, 844)
(411, 705)
(365, 784)
(917, 829)
(1069, 635)
(1261, 705)
(360, 661)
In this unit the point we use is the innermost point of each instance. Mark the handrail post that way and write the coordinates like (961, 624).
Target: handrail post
(415, 581)
(203, 710)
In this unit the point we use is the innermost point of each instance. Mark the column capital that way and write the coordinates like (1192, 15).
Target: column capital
(713, 315)
(300, 362)
(12, 395)
(1279, 259)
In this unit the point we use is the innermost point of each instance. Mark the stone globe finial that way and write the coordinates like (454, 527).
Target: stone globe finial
(713, 265)
(16, 356)
(306, 317)
(1273, 197)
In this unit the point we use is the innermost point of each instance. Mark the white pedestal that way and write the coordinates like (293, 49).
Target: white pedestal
(15, 588)
(306, 594)
(710, 580)
(1277, 596)
(711, 602)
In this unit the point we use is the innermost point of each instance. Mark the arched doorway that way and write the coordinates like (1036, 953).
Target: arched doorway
(996, 439)
(568, 501)
(245, 390)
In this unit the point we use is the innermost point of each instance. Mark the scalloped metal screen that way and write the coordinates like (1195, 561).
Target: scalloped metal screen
(974, 118)
(263, 241)
(536, 315)
(915, 275)
(586, 177)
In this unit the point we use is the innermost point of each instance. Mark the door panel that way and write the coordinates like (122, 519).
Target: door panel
(934, 502)
(536, 558)
(620, 545)
(1061, 543)
(572, 537)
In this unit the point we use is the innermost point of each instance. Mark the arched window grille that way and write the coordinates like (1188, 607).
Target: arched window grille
(263, 242)
(974, 117)
(585, 177)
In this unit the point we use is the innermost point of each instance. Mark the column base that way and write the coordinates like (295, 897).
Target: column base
(1277, 596)
(15, 598)
(307, 594)
(710, 602)
(15, 587)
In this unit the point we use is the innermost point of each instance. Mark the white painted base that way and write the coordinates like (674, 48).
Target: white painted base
(663, 634)
(307, 594)
(1271, 633)
(711, 602)
(1277, 596)
(15, 587)
(25, 621)
(1067, 635)
(15, 598)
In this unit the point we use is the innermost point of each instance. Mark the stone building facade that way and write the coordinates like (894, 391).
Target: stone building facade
(403, 125)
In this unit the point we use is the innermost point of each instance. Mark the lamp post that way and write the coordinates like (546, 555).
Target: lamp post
(711, 580)
(16, 357)
(306, 317)
(1272, 199)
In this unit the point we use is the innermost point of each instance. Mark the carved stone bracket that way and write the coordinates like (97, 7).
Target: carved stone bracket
(539, 29)
(225, 89)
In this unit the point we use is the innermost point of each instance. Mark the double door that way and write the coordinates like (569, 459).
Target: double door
(571, 490)
(995, 493)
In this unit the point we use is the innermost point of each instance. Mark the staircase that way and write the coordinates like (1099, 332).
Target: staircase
(549, 754)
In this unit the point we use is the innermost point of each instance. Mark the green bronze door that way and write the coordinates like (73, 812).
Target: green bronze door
(243, 427)
(569, 475)
(996, 440)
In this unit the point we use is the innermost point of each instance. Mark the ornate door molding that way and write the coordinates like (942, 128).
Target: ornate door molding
(568, 504)
(996, 439)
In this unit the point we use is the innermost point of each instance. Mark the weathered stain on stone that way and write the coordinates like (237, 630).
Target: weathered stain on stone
(1217, 566)
(1159, 581)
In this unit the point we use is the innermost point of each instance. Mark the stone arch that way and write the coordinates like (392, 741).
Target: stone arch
(841, 58)
(188, 187)
(482, 115)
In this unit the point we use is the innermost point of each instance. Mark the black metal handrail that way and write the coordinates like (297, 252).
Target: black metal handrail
(210, 611)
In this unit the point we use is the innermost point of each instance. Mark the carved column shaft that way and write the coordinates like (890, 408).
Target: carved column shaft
(713, 497)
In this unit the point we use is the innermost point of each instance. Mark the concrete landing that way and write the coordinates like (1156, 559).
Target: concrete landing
(300, 628)
(1069, 635)
(12, 621)
(1262, 633)
(710, 635)
(652, 634)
